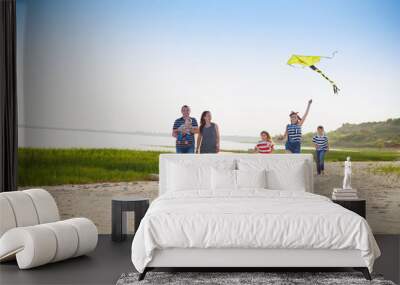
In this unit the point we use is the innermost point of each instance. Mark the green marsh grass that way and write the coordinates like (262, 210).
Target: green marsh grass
(356, 155)
(40, 166)
(360, 155)
(47, 166)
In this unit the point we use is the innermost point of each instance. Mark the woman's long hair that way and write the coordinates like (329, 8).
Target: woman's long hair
(203, 120)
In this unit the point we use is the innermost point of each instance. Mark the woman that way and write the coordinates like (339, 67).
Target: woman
(293, 130)
(208, 138)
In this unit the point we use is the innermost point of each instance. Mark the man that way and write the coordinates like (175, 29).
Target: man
(183, 130)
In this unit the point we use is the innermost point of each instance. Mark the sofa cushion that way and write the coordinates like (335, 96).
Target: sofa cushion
(67, 240)
(7, 215)
(46, 207)
(87, 234)
(23, 208)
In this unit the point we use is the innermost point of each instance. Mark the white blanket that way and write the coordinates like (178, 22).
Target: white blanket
(250, 219)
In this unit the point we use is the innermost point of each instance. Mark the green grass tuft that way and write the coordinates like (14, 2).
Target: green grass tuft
(388, 169)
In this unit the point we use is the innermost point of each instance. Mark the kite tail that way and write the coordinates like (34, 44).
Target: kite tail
(335, 88)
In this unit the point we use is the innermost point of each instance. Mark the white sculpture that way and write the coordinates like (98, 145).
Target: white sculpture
(347, 174)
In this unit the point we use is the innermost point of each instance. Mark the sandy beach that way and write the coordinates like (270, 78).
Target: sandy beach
(382, 192)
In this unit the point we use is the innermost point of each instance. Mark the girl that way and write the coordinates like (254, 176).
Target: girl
(293, 131)
(265, 145)
(208, 138)
(321, 143)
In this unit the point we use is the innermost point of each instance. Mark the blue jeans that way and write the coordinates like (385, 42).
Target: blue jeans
(293, 147)
(185, 149)
(320, 157)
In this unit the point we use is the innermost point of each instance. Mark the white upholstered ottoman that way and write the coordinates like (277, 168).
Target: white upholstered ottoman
(31, 232)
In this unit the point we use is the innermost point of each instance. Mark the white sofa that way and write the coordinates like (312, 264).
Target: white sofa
(31, 230)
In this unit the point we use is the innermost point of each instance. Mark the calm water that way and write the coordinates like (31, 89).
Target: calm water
(29, 137)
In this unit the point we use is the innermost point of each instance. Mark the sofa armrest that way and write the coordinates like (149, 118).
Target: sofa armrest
(40, 244)
(33, 246)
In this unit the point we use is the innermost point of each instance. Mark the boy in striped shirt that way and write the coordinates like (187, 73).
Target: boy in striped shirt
(321, 143)
(265, 145)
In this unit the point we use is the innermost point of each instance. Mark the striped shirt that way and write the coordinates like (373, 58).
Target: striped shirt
(190, 138)
(265, 147)
(294, 133)
(321, 142)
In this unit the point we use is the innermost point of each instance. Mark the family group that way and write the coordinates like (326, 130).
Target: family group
(208, 136)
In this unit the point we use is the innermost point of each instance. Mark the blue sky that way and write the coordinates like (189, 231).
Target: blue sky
(129, 65)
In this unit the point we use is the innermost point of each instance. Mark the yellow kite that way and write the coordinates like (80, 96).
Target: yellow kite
(310, 61)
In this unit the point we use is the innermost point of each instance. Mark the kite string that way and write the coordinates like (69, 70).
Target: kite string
(332, 56)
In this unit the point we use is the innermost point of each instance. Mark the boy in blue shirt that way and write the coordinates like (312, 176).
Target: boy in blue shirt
(321, 143)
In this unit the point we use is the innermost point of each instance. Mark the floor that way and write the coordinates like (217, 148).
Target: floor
(110, 260)
(103, 266)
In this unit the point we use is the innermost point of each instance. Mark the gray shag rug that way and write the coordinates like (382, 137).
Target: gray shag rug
(269, 278)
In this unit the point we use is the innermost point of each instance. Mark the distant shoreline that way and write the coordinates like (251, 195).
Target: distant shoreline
(372, 135)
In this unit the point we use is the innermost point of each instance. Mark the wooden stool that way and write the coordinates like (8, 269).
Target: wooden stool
(120, 205)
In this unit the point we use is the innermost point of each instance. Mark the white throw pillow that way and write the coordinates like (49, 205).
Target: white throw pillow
(182, 177)
(293, 180)
(251, 178)
(223, 179)
(193, 174)
(282, 174)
